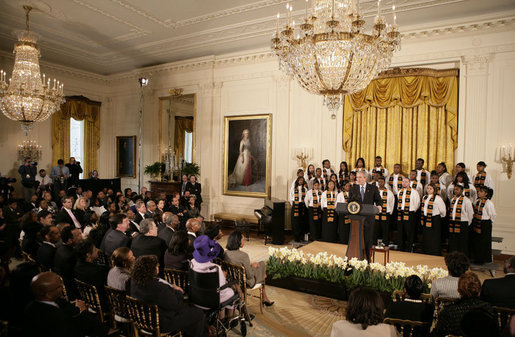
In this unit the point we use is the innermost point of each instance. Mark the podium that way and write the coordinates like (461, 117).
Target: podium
(356, 247)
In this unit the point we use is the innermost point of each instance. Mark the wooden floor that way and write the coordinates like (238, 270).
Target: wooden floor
(411, 259)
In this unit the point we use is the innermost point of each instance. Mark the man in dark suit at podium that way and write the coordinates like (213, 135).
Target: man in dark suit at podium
(366, 194)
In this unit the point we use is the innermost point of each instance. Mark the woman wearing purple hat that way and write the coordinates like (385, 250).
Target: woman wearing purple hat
(205, 251)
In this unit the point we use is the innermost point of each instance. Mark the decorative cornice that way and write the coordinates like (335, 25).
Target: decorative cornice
(400, 72)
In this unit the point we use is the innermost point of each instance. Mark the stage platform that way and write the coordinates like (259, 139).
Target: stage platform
(411, 259)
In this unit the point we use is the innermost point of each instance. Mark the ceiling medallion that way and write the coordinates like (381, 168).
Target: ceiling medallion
(329, 55)
(27, 98)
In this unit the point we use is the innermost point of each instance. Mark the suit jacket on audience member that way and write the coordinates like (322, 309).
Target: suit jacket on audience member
(64, 264)
(195, 190)
(500, 291)
(166, 234)
(138, 218)
(94, 274)
(45, 255)
(112, 240)
(63, 216)
(148, 245)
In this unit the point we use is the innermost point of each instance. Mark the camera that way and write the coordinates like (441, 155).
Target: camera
(5, 180)
(34, 163)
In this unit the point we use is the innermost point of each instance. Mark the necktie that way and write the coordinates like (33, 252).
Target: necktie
(362, 193)
(75, 221)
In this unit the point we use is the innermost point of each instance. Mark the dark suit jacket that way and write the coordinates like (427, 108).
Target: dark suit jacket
(64, 264)
(45, 256)
(371, 194)
(112, 240)
(138, 218)
(422, 312)
(45, 320)
(148, 245)
(195, 190)
(500, 291)
(94, 274)
(165, 234)
(63, 216)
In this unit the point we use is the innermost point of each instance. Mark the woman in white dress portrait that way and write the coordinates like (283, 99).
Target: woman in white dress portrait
(242, 172)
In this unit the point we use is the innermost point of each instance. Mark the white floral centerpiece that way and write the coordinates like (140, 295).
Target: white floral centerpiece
(285, 262)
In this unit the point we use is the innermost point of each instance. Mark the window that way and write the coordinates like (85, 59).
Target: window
(188, 146)
(77, 141)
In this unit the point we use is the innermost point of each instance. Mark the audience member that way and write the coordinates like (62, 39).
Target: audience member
(141, 211)
(122, 260)
(115, 237)
(75, 170)
(87, 271)
(449, 320)
(215, 233)
(192, 226)
(66, 214)
(28, 172)
(501, 291)
(31, 229)
(457, 263)
(364, 316)
(255, 271)
(171, 222)
(178, 253)
(65, 258)
(46, 252)
(173, 314)
(79, 210)
(148, 243)
(19, 294)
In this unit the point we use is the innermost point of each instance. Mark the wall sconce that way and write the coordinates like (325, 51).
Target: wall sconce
(303, 153)
(506, 156)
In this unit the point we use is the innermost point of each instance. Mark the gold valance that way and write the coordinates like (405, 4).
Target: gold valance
(78, 108)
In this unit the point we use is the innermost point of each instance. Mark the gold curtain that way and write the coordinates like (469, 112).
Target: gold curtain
(80, 108)
(401, 116)
(182, 124)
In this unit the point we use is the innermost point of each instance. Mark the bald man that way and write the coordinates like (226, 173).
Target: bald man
(51, 315)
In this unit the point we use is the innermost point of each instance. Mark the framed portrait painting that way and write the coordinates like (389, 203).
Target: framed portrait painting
(126, 156)
(247, 155)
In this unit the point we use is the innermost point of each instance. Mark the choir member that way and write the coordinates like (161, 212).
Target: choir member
(382, 222)
(422, 174)
(481, 233)
(360, 166)
(310, 174)
(313, 202)
(443, 176)
(461, 213)
(334, 178)
(326, 169)
(343, 174)
(298, 209)
(352, 178)
(300, 173)
(329, 223)
(432, 211)
(395, 179)
(460, 167)
(321, 181)
(378, 167)
(343, 221)
(482, 178)
(408, 204)
(469, 190)
(440, 189)
(415, 184)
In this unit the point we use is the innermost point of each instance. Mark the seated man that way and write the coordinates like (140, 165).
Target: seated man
(50, 315)
(147, 243)
(116, 237)
(412, 307)
(46, 252)
(65, 258)
(501, 291)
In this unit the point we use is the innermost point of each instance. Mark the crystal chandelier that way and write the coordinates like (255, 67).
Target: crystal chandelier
(29, 149)
(329, 54)
(28, 98)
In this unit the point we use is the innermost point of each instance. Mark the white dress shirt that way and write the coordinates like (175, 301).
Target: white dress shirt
(390, 200)
(420, 188)
(75, 221)
(467, 211)
(438, 206)
(385, 174)
(342, 197)
(396, 178)
(488, 211)
(43, 180)
(419, 176)
(488, 181)
(292, 194)
(308, 200)
(473, 192)
(445, 179)
(324, 198)
(414, 203)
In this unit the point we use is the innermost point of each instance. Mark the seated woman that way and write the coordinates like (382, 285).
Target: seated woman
(173, 314)
(177, 254)
(449, 320)
(205, 250)
(255, 271)
(412, 307)
(457, 263)
(191, 208)
(364, 316)
(122, 260)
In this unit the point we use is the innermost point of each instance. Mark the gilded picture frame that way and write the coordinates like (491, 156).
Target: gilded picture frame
(247, 155)
(126, 156)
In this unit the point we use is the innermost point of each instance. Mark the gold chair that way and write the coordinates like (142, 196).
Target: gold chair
(406, 327)
(118, 303)
(440, 303)
(89, 294)
(26, 256)
(237, 272)
(177, 277)
(103, 259)
(146, 318)
(398, 295)
(503, 315)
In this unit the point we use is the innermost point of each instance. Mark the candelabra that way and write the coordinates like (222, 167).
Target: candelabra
(302, 154)
(29, 149)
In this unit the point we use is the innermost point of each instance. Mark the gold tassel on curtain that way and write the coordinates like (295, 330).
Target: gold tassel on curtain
(182, 124)
(80, 108)
(402, 117)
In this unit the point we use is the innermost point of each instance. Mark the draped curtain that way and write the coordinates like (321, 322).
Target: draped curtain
(182, 124)
(80, 108)
(401, 116)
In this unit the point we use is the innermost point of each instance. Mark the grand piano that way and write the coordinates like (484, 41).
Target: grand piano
(272, 217)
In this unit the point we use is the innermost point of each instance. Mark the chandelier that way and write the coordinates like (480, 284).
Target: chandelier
(29, 149)
(28, 98)
(329, 54)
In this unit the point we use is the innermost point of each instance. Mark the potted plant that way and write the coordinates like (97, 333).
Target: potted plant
(155, 169)
(191, 169)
